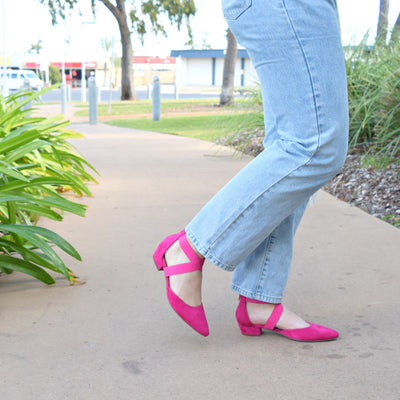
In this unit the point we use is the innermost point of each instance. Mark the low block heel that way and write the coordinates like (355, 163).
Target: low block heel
(159, 260)
(162, 248)
(250, 331)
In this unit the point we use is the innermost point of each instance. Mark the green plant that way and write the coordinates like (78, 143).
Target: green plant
(246, 132)
(36, 164)
(373, 75)
(54, 75)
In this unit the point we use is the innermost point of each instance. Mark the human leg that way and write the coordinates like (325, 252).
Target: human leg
(307, 140)
(264, 273)
(296, 49)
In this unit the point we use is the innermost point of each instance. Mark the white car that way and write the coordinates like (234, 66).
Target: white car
(22, 78)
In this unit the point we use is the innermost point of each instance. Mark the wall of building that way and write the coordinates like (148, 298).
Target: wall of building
(206, 72)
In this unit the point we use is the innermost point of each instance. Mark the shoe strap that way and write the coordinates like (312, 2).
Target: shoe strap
(195, 262)
(274, 317)
(181, 269)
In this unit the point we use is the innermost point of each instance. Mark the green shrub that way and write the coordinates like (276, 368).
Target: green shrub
(54, 75)
(246, 135)
(373, 76)
(36, 164)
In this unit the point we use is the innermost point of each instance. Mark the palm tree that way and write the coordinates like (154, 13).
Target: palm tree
(382, 30)
(35, 48)
(228, 79)
(106, 45)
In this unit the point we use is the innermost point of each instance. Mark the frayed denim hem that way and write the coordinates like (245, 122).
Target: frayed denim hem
(256, 296)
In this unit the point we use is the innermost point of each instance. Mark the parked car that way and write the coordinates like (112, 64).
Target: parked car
(22, 78)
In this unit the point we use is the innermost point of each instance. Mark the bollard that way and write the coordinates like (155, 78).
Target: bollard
(26, 87)
(63, 99)
(178, 76)
(148, 96)
(83, 89)
(156, 99)
(93, 96)
(176, 90)
(68, 93)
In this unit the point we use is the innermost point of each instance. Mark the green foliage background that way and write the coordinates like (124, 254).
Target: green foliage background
(36, 165)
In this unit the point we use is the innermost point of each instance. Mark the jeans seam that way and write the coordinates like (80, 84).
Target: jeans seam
(317, 116)
(312, 83)
(266, 260)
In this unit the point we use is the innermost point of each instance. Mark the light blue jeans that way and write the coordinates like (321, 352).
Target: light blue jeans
(249, 225)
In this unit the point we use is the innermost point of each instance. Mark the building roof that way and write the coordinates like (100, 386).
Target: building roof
(210, 53)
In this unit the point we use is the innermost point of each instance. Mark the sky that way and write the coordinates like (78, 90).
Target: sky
(24, 22)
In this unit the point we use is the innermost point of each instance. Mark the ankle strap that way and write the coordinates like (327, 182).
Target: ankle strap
(195, 262)
(274, 317)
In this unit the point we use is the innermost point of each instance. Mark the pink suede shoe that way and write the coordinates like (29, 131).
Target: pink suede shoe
(312, 333)
(194, 316)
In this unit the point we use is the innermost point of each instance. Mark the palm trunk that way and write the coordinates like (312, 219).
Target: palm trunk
(395, 32)
(228, 80)
(382, 30)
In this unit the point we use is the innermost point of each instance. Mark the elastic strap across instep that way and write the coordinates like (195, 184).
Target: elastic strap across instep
(274, 317)
(195, 262)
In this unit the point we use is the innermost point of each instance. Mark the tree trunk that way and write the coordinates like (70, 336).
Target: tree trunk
(228, 79)
(382, 30)
(395, 32)
(127, 81)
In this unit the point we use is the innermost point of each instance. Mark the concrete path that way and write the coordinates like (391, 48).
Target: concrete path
(117, 338)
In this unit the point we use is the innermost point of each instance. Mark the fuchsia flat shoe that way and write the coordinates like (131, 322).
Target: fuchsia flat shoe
(193, 316)
(312, 333)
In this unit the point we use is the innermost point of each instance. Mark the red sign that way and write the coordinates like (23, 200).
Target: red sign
(153, 60)
(77, 65)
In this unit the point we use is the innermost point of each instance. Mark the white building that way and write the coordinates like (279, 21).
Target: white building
(205, 68)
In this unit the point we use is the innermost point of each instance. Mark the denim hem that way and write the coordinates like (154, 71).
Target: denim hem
(205, 253)
(257, 296)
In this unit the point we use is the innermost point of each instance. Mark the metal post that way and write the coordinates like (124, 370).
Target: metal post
(93, 97)
(148, 91)
(63, 98)
(177, 77)
(111, 76)
(68, 87)
(83, 81)
(156, 99)
(26, 87)
(5, 87)
(63, 88)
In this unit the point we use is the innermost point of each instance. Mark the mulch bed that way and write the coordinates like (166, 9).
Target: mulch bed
(376, 191)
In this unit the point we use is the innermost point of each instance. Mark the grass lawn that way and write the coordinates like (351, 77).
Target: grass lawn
(205, 127)
(145, 107)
